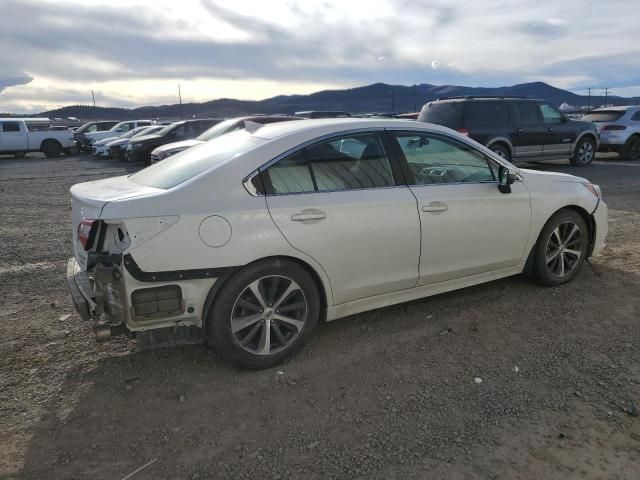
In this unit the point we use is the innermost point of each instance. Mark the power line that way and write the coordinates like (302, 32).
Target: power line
(606, 94)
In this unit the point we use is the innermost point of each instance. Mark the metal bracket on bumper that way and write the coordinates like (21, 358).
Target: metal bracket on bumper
(80, 290)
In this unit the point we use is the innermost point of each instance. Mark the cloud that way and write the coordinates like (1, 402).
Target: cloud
(135, 52)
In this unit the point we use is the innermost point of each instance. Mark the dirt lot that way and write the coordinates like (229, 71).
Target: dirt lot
(386, 394)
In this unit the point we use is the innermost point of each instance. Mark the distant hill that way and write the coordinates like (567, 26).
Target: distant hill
(378, 97)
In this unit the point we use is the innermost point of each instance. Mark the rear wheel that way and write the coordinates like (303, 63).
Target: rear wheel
(263, 314)
(561, 248)
(584, 153)
(51, 149)
(501, 151)
(631, 149)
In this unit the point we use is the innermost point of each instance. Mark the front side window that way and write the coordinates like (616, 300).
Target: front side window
(351, 162)
(550, 114)
(10, 127)
(433, 159)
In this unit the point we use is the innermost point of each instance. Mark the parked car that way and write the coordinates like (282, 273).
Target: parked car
(17, 138)
(516, 128)
(256, 236)
(117, 148)
(322, 114)
(619, 129)
(165, 151)
(100, 147)
(139, 149)
(118, 129)
(80, 134)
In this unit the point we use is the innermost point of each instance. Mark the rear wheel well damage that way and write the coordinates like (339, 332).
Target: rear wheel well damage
(221, 281)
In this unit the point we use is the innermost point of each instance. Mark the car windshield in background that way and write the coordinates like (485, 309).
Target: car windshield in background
(167, 129)
(187, 164)
(217, 130)
(147, 131)
(131, 133)
(448, 114)
(604, 116)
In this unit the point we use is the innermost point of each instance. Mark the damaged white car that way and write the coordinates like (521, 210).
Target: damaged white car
(251, 239)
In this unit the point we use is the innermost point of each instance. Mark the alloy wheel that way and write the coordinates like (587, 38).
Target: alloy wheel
(634, 150)
(564, 249)
(585, 152)
(268, 315)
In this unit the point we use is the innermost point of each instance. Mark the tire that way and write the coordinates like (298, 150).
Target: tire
(584, 153)
(501, 151)
(631, 149)
(237, 308)
(51, 149)
(552, 263)
(19, 154)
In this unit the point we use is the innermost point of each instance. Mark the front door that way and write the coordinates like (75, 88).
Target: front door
(530, 133)
(340, 201)
(468, 226)
(560, 135)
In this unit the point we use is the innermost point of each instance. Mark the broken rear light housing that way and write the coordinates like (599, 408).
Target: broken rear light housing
(87, 232)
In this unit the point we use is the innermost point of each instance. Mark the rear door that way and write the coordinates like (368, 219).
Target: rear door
(14, 136)
(341, 201)
(530, 133)
(487, 119)
(559, 134)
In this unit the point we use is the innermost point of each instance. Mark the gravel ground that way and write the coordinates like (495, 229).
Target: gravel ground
(386, 394)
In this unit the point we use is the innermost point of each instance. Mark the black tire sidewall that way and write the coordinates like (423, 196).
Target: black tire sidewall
(51, 149)
(575, 159)
(218, 323)
(626, 150)
(539, 269)
(495, 148)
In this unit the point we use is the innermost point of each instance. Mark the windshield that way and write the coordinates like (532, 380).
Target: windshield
(218, 129)
(168, 128)
(117, 126)
(189, 163)
(133, 132)
(604, 116)
(146, 131)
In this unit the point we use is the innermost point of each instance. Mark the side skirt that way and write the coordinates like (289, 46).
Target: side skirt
(379, 301)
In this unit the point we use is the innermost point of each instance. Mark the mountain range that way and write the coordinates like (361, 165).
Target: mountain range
(378, 97)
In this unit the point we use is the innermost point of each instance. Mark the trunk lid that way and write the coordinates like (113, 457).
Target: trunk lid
(89, 199)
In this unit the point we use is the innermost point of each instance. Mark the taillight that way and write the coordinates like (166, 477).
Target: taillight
(613, 127)
(464, 131)
(84, 233)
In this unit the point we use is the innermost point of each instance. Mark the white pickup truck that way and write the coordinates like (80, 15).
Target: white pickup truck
(21, 135)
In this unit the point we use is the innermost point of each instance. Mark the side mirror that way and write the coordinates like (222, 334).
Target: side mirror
(505, 179)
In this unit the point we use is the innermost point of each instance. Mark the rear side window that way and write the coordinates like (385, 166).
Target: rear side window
(483, 114)
(347, 163)
(636, 117)
(447, 114)
(10, 127)
(529, 113)
(607, 116)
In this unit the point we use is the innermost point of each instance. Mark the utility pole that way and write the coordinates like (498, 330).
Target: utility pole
(606, 94)
(415, 97)
(393, 102)
(180, 99)
(95, 112)
(589, 101)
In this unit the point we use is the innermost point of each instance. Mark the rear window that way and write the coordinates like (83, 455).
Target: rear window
(185, 165)
(448, 114)
(483, 114)
(604, 116)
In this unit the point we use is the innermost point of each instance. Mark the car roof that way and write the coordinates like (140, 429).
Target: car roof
(621, 108)
(325, 126)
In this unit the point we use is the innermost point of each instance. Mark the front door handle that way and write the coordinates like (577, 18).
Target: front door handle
(550, 129)
(435, 207)
(308, 215)
(519, 130)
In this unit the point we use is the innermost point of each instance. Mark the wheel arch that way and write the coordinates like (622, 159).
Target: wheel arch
(50, 140)
(221, 281)
(501, 141)
(587, 134)
(586, 216)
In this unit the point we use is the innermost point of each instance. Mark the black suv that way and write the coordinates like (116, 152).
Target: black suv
(139, 149)
(516, 128)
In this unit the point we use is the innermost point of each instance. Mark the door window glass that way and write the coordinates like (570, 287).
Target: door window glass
(434, 160)
(550, 114)
(636, 117)
(10, 127)
(487, 114)
(529, 113)
(347, 163)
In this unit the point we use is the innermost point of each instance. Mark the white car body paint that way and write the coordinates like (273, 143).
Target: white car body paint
(484, 235)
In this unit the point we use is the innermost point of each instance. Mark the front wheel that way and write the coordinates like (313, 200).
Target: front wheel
(51, 149)
(501, 151)
(584, 153)
(263, 314)
(561, 249)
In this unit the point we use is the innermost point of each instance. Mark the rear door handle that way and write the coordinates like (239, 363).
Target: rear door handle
(308, 215)
(435, 207)
(519, 130)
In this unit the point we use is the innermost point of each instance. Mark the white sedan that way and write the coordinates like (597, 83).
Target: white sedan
(253, 238)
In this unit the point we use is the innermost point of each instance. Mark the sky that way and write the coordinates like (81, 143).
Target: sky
(136, 52)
